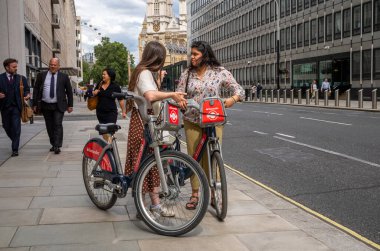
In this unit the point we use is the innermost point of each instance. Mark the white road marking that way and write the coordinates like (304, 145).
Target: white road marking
(327, 121)
(285, 135)
(273, 113)
(330, 152)
(262, 133)
(228, 123)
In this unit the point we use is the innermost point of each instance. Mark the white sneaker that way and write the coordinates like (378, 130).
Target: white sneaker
(159, 210)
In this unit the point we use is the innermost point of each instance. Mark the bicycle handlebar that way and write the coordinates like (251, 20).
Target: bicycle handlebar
(140, 101)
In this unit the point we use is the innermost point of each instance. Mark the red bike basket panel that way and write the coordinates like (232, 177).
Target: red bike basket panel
(170, 117)
(92, 150)
(212, 112)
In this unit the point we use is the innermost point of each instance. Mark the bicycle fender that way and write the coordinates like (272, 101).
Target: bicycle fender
(93, 149)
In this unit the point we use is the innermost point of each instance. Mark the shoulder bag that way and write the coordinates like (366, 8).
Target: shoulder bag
(26, 110)
(92, 102)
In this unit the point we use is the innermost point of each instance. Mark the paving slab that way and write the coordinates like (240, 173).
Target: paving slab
(6, 234)
(114, 246)
(24, 191)
(246, 207)
(22, 217)
(215, 243)
(62, 181)
(15, 249)
(280, 241)
(68, 190)
(15, 202)
(20, 182)
(83, 214)
(61, 202)
(86, 233)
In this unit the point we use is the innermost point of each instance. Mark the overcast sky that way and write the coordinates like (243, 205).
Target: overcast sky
(120, 20)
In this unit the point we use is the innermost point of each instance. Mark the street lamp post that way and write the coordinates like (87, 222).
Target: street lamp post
(278, 45)
(129, 67)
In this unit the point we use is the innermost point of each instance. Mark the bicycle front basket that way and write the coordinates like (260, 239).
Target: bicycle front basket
(212, 112)
(170, 117)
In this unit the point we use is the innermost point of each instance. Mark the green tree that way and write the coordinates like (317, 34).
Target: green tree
(86, 72)
(111, 55)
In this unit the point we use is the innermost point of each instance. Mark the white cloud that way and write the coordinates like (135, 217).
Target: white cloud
(120, 20)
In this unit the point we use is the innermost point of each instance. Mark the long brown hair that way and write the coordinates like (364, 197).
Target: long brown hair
(153, 59)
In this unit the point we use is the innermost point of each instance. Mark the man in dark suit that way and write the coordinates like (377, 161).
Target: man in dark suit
(10, 101)
(52, 95)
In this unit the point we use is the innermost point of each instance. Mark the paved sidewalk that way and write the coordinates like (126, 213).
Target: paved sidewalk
(44, 206)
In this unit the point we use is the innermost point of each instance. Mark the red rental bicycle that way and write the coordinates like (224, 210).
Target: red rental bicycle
(105, 181)
(212, 113)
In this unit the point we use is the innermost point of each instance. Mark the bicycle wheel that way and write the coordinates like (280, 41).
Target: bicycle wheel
(100, 194)
(173, 218)
(218, 186)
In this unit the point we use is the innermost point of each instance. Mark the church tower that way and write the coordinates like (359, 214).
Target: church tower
(160, 24)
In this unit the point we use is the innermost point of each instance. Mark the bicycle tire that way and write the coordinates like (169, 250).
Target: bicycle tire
(219, 186)
(96, 190)
(184, 220)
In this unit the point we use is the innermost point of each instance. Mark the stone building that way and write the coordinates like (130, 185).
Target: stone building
(34, 31)
(162, 25)
(334, 39)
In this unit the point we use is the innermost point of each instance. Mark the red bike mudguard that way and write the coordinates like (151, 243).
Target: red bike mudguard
(93, 149)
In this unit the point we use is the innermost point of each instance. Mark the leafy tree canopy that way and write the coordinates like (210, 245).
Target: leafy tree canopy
(109, 55)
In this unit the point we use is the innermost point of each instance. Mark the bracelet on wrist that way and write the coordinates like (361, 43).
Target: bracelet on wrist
(235, 101)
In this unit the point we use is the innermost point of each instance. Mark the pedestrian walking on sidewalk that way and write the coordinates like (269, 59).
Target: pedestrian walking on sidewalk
(145, 82)
(53, 96)
(11, 103)
(313, 89)
(204, 78)
(106, 110)
(325, 87)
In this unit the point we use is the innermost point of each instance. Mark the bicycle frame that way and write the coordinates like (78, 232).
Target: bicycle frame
(210, 141)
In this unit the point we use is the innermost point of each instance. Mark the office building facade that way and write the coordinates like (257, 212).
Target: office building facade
(34, 31)
(318, 39)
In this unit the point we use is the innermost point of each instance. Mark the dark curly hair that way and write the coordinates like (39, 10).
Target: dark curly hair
(208, 55)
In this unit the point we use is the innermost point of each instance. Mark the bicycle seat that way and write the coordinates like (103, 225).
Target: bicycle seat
(107, 128)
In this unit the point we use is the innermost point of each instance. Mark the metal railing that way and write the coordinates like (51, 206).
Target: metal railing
(312, 99)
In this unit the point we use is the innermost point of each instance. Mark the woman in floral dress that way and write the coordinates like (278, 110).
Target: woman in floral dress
(204, 78)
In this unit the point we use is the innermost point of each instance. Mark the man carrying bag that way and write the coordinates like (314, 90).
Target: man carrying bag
(11, 101)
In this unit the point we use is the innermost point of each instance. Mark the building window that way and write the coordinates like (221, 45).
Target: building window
(254, 47)
(313, 3)
(258, 16)
(263, 44)
(306, 33)
(346, 22)
(287, 5)
(258, 46)
(299, 5)
(272, 42)
(294, 6)
(356, 65)
(272, 10)
(156, 8)
(294, 37)
(321, 31)
(282, 39)
(288, 38)
(376, 61)
(313, 31)
(263, 14)
(267, 10)
(356, 22)
(306, 4)
(376, 15)
(320, 1)
(367, 17)
(337, 25)
(253, 18)
(282, 8)
(366, 64)
(267, 43)
(300, 34)
(328, 28)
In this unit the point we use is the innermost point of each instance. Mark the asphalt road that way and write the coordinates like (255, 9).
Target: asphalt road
(325, 159)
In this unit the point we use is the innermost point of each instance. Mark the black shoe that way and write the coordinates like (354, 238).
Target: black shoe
(57, 150)
(52, 149)
(14, 154)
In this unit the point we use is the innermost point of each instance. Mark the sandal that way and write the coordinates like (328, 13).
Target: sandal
(192, 204)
